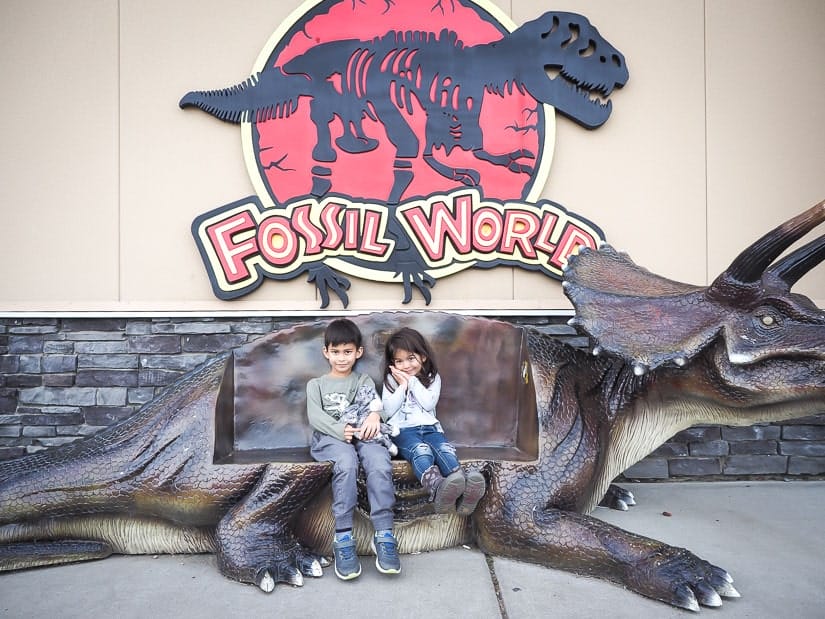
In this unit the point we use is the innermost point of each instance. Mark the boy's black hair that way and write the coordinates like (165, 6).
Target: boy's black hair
(342, 331)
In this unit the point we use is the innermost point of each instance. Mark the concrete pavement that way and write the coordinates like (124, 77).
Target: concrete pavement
(766, 534)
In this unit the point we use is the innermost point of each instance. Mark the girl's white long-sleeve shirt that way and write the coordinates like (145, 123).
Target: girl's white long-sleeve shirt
(413, 406)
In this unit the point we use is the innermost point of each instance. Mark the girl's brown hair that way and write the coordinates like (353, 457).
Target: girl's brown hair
(412, 341)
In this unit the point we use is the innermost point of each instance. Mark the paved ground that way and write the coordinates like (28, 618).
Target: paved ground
(766, 534)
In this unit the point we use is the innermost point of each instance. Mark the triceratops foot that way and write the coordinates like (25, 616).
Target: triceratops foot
(289, 567)
(680, 578)
(325, 280)
(254, 542)
(269, 561)
(618, 498)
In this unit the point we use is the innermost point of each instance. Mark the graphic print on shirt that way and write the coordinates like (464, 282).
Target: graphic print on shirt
(335, 404)
(410, 405)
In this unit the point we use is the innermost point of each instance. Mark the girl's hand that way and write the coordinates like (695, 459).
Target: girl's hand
(400, 377)
(370, 427)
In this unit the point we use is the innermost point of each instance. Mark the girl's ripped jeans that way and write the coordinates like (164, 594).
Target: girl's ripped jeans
(423, 446)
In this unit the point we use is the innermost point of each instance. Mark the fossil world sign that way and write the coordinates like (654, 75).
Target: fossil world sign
(378, 148)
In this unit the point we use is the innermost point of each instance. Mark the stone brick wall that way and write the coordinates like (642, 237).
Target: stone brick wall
(65, 378)
(61, 379)
(791, 449)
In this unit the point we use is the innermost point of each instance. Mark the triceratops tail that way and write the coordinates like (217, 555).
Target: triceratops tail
(50, 552)
(259, 98)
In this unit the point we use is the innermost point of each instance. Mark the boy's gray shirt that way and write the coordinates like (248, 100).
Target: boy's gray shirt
(328, 396)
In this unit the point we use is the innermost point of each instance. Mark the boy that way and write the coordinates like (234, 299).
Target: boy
(333, 440)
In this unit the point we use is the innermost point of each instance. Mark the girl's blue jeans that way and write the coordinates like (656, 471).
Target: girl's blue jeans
(423, 446)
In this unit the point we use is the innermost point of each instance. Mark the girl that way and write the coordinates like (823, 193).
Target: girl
(412, 386)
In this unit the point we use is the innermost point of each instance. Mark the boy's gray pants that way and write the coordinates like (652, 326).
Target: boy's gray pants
(375, 459)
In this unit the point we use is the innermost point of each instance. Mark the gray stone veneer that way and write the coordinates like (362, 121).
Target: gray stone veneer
(65, 378)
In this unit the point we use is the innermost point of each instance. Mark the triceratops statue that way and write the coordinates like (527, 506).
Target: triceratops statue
(666, 356)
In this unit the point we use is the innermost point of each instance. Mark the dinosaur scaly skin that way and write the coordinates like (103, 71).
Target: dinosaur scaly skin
(741, 351)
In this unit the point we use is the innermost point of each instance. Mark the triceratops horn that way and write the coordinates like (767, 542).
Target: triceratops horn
(747, 268)
(796, 264)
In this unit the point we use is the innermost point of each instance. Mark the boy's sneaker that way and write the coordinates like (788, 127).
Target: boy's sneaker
(474, 489)
(385, 548)
(347, 565)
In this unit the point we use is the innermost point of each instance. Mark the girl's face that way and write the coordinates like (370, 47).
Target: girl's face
(407, 362)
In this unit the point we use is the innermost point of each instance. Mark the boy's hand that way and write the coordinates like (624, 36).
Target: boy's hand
(349, 432)
(370, 427)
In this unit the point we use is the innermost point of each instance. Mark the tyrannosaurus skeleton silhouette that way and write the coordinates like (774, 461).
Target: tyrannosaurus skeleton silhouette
(385, 78)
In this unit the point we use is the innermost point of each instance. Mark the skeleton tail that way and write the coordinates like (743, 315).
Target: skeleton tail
(261, 97)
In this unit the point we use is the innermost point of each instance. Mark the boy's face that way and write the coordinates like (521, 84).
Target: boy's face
(342, 358)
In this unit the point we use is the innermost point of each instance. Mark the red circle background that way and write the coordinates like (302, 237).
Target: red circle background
(284, 146)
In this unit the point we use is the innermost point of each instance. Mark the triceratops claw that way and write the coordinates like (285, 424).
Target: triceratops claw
(683, 597)
(313, 567)
(280, 573)
(707, 595)
(618, 498)
(727, 591)
(266, 582)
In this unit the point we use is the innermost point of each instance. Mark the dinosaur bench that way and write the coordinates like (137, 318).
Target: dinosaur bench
(744, 350)
(487, 404)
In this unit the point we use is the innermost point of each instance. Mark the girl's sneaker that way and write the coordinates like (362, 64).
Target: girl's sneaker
(448, 491)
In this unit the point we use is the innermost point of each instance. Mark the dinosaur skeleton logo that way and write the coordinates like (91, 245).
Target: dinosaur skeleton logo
(403, 153)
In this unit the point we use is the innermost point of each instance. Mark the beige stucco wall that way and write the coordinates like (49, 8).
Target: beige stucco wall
(718, 136)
